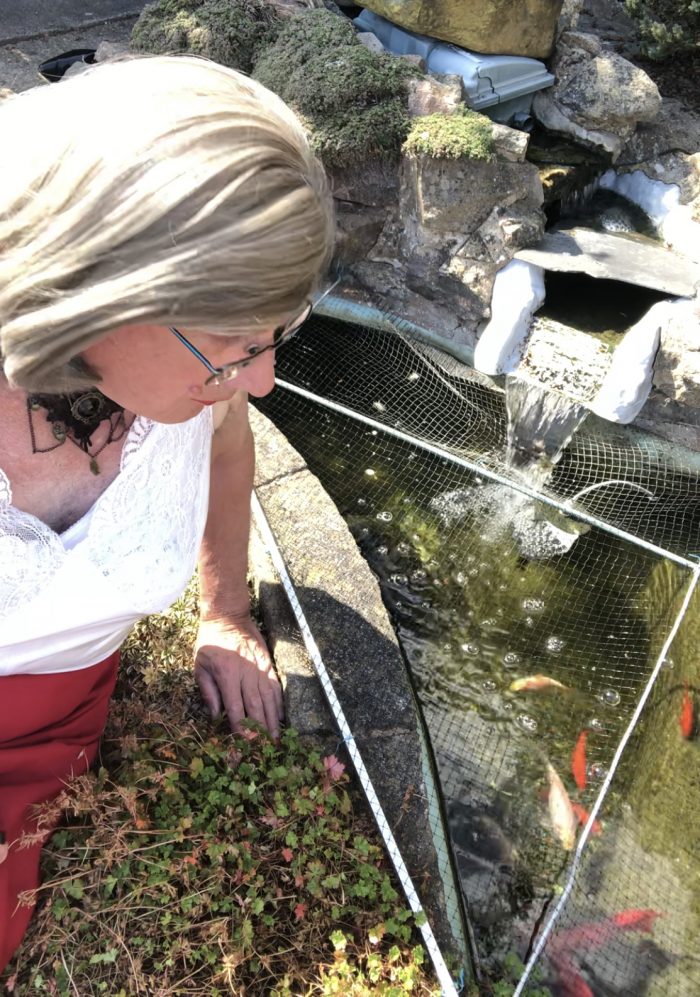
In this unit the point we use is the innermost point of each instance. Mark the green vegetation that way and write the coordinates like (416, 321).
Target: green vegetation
(667, 27)
(463, 134)
(232, 32)
(353, 100)
(194, 863)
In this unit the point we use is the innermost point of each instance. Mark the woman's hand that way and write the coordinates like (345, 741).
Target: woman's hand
(234, 672)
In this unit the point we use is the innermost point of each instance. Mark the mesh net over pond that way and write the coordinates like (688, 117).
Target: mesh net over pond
(586, 588)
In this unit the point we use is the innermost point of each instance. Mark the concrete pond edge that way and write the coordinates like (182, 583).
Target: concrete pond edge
(342, 602)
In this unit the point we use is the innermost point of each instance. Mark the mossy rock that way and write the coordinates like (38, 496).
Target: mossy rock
(353, 100)
(231, 32)
(463, 134)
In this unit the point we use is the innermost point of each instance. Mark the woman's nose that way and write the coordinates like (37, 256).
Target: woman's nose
(259, 376)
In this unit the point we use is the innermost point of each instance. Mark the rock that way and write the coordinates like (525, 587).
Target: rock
(599, 97)
(110, 50)
(505, 232)
(677, 368)
(414, 59)
(610, 22)
(443, 201)
(510, 143)
(489, 26)
(569, 17)
(615, 256)
(357, 231)
(675, 129)
(370, 41)
(375, 183)
(429, 96)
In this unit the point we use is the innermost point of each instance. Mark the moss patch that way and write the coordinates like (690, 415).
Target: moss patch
(231, 32)
(463, 134)
(354, 101)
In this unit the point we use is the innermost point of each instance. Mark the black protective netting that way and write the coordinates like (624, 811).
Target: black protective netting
(482, 598)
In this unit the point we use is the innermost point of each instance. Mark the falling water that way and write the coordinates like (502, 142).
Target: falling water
(541, 423)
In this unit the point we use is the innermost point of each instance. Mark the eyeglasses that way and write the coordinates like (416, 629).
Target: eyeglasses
(220, 375)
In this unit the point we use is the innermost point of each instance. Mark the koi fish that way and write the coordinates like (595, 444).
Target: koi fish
(578, 760)
(561, 813)
(582, 816)
(564, 945)
(686, 719)
(534, 683)
(593, 934)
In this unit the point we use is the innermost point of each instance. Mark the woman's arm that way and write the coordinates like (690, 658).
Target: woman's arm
(233, 667)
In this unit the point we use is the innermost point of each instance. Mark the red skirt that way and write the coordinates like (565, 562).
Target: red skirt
(50, 727)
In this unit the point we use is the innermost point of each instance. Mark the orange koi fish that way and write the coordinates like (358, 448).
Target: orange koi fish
(687, 718)
(593, 934)
(582, 816)
(561, 813)
(578, 760)
(534, 683)
(564, 946)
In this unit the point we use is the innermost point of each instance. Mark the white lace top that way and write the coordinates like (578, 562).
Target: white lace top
(67, 601)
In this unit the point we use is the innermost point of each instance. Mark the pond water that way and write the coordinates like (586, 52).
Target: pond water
(475, 608)
(480, 598)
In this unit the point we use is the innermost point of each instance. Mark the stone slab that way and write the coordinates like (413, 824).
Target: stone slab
(29, 18)
(615, 256)
(342, 603)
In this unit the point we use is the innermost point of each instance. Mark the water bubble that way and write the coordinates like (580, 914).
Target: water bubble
(415, 538)
(413, 376)
(529, 622)
(473, 572)
(667, 663)
(383, 549)
(488, 622)
(432, 565)
(554, 645)
(511, 659)
(426, 604)
(447, 648)
(597, 771)
(403, 548)
(398, 424)
(362, 501)
(471, 649)
(533, 605)
(364, 532)
(370, 472)
(595, 724)
(459, 578)
(398, 579)
(385, 517)
(503, 587)
(379, 406)
(507, 706)
(527, 722)
(488, 685)
(374, 432)
(611, 697)
(419, 575)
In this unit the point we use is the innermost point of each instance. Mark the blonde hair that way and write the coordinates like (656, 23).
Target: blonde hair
(162, 189)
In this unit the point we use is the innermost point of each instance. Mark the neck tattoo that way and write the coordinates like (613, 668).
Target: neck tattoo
(75, 417)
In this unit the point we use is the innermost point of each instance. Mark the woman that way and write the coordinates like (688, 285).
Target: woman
(163, 226)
